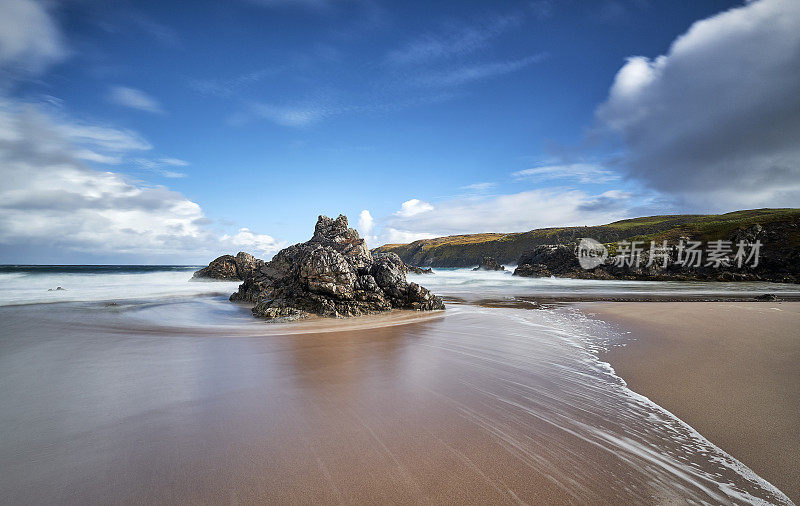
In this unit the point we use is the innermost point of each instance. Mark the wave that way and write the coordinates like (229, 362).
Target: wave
(38, 284)
(95, 269)
(474, 285)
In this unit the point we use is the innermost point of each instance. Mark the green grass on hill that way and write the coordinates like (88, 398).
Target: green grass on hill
(466, 250)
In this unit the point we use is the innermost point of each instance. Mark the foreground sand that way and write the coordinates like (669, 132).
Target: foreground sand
(193, 402)
(730, 370)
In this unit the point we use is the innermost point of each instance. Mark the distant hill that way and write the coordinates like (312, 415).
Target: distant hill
(468, 250)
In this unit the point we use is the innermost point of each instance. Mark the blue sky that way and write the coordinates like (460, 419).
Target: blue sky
(174, 131)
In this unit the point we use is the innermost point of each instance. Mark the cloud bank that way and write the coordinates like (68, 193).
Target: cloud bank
(29, 39)
(716, 120)
(417, 219)
(51, 199)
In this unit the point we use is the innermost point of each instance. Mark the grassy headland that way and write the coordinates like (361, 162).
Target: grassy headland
(468, 250)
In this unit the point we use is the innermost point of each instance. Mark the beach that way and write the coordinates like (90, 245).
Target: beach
(169, 393)
(730, 370)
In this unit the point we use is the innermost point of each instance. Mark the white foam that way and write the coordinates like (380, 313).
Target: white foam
(473, 285)
(31, 288)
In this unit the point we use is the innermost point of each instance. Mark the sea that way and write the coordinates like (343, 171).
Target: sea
(135, 384)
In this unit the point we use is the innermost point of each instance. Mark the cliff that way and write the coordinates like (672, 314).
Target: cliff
(469, 250)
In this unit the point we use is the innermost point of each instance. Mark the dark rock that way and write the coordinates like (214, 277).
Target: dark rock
(779, 260)
(548, 260)
(56, 289)
(335, 275)
(489, 264)
(246, 264)
(222, 268)
(767, 296)
(395, 259)
(230, 268)
(533, 271)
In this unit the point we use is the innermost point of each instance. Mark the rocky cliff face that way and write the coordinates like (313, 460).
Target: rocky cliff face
(779, 261)
(468, 250)
(334, 274)
(489, 264)
(230, 268)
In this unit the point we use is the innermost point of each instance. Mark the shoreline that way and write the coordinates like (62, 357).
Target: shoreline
(728, 369)
(485, 405)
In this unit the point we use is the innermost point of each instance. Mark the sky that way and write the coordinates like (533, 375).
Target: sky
(172, 132)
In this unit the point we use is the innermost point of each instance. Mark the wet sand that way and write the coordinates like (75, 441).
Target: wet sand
(473, 406)
(730, 370)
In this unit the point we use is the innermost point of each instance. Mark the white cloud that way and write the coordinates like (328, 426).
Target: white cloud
(91, 156)
(50, 199)
(100, 137)
(290, 116)
(715, 121)
(29, 39)
(582, 172)
(395, 236)
(413, 207)
(258, 243)
(365, 225)
(162, 166)
(474, 72)
(365, 222)
(134, 99)
(517, 212)
(452, 41)
(479, 187)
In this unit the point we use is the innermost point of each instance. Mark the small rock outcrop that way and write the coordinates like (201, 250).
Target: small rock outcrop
(334, 275)
(489, 264)
(395, 258)
(230, 268)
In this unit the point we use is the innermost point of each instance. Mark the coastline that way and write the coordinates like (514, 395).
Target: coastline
(472, 404)
(730, 370)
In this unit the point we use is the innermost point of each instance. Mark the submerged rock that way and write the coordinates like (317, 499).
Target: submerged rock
(489, 264)
(230, 268)
(335, 275)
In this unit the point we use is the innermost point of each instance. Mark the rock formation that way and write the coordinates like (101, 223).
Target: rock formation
(489, 264)
(779, 261)
(395, 258)
(334, 274)
(230, 268)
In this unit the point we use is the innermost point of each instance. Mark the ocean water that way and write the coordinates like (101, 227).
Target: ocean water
(174, 394)
(474, 285)
(22, 284)
(32, 284)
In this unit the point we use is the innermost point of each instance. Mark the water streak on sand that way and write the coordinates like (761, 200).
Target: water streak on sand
(141, 404)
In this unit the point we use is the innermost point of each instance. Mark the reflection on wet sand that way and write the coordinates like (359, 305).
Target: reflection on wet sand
(501, 405)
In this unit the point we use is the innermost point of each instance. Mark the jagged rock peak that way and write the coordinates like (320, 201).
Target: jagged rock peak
(230, 268)
(334, 274)
(330, 230)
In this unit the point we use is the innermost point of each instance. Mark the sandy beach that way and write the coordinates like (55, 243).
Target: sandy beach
(730, 370)
(192, 401)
